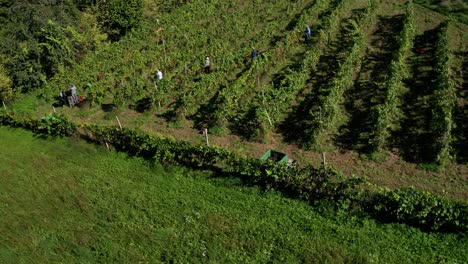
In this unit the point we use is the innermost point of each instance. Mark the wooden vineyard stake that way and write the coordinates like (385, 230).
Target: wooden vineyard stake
(118, 121)
(205, 132)
(324, 164)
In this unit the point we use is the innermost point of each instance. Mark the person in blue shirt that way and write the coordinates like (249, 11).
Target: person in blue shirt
(307, 34)
(254, 54)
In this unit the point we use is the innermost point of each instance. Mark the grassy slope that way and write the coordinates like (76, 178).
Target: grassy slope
(62, 200)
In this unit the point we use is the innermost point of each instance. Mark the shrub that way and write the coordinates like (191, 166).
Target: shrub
(55, 125)
(421, 209)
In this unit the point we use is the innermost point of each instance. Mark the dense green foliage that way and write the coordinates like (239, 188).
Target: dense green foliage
(419, 208)
(120, 16)
(36, 40)
(444, 99)
(69, 201)
(111, 51)
(55, 125)
(276, 99)
(6, 84)
(42, 38)
(332, 98)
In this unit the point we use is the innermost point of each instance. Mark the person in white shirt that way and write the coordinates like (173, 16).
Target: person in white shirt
(159, 75)
(74, 95)
(207, 64)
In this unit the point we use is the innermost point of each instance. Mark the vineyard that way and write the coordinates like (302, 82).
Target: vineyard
(368, 111)
(376, 77)
(368, 79)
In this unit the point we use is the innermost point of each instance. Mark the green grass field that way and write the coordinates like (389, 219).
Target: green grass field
(68, 201)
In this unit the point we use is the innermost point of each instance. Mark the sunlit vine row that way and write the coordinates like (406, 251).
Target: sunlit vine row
(442, 122)
(330, 104)
(228, 101)
(385, 115)
(271, 103)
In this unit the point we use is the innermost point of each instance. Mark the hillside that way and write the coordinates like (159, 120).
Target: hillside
(380, 87)
(64, 200)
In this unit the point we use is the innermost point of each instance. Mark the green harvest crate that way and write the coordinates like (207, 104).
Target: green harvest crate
(274, 156)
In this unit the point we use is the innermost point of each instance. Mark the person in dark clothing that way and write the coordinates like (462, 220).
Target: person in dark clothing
(254, 54)
(307, 34)
(69, 95)
(63, 98)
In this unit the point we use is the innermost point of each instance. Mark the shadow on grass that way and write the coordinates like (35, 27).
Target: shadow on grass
(415, 137)
(174, 110)
(108, 107)
(142, 105)
(292, 25)
(246, 124)
(204, 117)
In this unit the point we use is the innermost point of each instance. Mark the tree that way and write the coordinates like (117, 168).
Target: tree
(119, 16)
(40, 37)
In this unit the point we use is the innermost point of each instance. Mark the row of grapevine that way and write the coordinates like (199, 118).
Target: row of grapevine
(176, 43)
(306, 18)
(385, 115)
(229, 97)
(442, 122)
(198, 42)
(208, 84)
(271, 103)
(330, 104)
(202, 90)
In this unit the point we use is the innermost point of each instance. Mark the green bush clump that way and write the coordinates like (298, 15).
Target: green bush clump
(161, 149)
(120, 16)
(51, 125)
(14, 120)
(421, 209)
(55, 125)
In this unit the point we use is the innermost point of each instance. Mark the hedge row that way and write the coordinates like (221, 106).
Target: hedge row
(315, 185)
